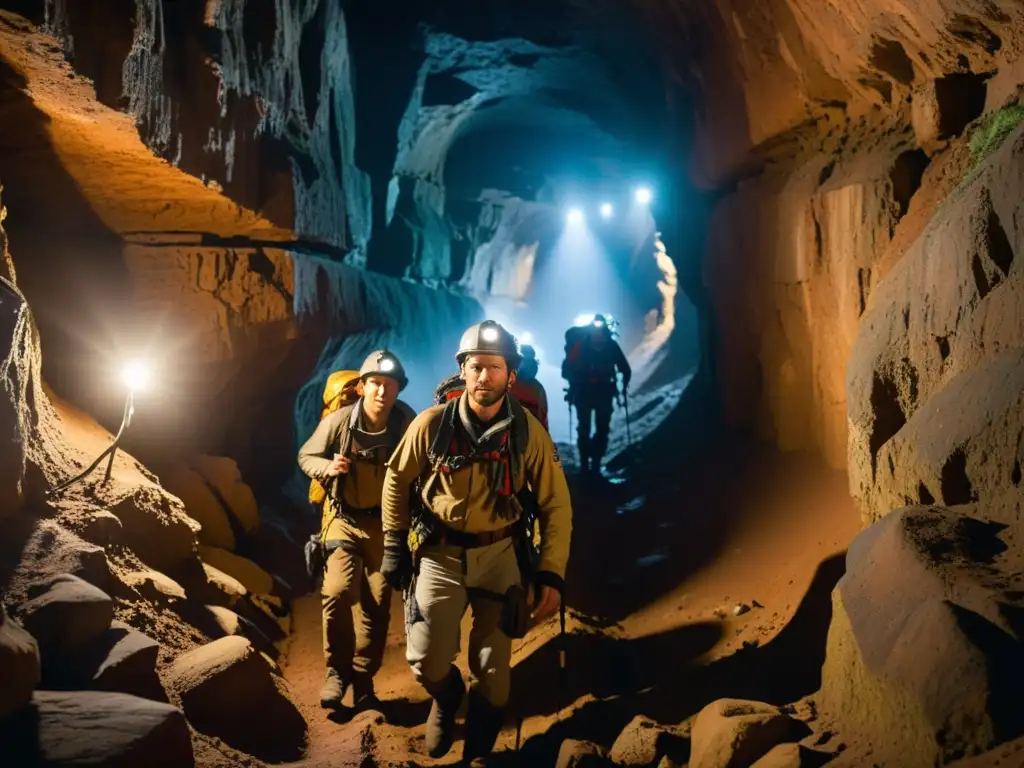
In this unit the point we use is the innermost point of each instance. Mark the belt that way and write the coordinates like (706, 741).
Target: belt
(362, 510)
(443, 535)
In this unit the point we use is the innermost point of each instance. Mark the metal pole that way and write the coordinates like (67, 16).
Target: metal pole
(625, 404)
(126, 419)
(129, 409)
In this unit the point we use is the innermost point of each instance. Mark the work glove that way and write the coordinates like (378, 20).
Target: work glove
(396, 566)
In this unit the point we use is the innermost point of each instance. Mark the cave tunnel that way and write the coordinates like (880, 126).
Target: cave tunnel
(803, 222)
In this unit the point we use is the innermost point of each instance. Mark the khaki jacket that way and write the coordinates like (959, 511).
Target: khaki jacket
(464, 500)
(365, 482)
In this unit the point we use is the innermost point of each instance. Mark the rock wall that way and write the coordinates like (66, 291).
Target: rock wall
(935, 376)
(842, 131)
(163, 267)
(147, 621)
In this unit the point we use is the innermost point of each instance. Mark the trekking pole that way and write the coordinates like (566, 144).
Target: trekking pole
(625, 405)
(563, 670)
(568, 402)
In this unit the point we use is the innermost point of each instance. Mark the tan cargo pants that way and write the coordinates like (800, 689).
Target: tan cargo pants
(433, 620)
(355, 599)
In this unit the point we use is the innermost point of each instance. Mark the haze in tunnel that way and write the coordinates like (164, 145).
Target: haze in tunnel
(561, 233)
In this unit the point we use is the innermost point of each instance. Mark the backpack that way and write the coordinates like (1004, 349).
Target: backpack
(573, 352)
(339, 391)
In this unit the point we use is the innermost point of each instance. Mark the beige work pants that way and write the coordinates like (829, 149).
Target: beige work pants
(433, 619)
(355, 599)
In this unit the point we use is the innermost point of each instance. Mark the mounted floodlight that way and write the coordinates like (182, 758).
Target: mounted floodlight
(574, 216)
(607, 210)
(135, 375)
(489, 334)
(643, 195)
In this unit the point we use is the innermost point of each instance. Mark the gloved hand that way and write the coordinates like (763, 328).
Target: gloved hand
(396, 565)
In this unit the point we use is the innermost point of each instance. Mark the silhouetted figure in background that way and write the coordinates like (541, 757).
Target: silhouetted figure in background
(526, 389)
(592, 358)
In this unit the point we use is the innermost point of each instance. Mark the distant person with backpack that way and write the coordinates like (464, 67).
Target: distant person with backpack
(346, 459)
(460, 491)
(526, 389)
(592, 358)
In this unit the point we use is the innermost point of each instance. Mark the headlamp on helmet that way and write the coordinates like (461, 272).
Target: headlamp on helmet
(489, 338)
(384, 363)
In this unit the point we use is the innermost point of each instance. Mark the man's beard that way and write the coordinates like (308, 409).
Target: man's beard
(488, 397)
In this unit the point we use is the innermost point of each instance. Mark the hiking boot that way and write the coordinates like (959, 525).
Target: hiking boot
(447, 697)
(333, 690)
(363, 695)
(483, 724)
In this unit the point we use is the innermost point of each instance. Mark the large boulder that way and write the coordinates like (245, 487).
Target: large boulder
(102, 528)
(924, 651)
(201, 504)
(214, 587)
(66, 615)
(732, 733)
(19, 665)
(229, 690)
(251, 576)
(217, 621)
(793, 756)
(642, 742)
(123, 660)
(154, 525)
(935, 377)
(113, 730)
(156, 586)
(581, 754)
(51, 548)
(224, 478)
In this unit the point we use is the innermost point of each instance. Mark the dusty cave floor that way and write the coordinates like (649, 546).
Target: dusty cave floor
(658, 566)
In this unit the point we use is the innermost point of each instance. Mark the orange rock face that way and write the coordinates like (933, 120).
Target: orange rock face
(155, 264)
(847, 126)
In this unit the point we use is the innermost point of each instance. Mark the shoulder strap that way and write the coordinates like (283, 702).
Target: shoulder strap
(518, 439)
(441, 444)
(344, 445)
(345, 430)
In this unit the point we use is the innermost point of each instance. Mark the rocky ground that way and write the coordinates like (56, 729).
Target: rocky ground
(656, 626)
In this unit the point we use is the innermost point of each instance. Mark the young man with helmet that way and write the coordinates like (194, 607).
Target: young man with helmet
(348, 454)
(452, 510)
